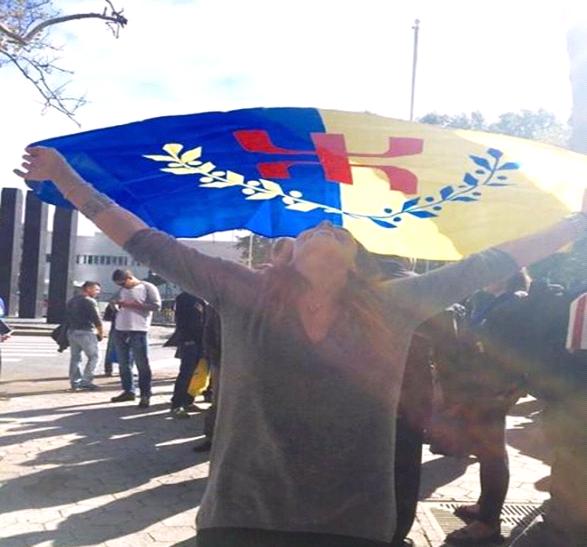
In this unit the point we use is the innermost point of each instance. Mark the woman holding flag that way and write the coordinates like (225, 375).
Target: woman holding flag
(312, 362)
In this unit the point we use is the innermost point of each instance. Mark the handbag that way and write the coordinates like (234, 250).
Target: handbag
(200, 379)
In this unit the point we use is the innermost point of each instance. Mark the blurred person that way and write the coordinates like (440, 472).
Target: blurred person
(557, 376)
(490, 381)
(110, 354)
(190, 316)
(212, 349)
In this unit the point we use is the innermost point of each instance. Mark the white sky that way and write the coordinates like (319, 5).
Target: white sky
(187, 56)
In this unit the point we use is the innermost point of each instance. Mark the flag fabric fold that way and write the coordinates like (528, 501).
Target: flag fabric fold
(400, 187)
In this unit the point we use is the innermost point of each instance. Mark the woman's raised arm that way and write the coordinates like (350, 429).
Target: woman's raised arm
(42, 163)
(425, 296)
(529, 249)
(211, 278)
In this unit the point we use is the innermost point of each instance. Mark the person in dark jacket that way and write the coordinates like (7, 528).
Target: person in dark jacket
(82, 319)
(189, 320)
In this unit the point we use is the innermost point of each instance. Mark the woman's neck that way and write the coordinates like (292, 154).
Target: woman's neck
(322, 281)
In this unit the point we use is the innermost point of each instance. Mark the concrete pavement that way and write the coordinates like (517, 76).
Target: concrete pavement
(78, 470)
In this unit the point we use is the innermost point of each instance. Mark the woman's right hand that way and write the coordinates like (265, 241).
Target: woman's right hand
(42, 163)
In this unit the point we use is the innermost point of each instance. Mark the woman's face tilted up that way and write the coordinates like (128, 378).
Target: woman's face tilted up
(333, 246)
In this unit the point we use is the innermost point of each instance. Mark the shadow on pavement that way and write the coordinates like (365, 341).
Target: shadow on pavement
(529, 439)
(440, 471)
(111, 386)
(115, 471)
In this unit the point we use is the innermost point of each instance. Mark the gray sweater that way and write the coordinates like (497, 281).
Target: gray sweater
(305, 432)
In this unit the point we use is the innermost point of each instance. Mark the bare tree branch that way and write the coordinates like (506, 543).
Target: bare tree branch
(23, 41)
(116, 18)
(12, 35)
(53, 96)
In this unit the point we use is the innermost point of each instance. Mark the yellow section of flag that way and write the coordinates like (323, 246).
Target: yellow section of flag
(472, 189)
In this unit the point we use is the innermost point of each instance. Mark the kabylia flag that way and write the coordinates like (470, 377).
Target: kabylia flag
(401, 188)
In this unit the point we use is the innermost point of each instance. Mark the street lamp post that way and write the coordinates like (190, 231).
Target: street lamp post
(416, 29)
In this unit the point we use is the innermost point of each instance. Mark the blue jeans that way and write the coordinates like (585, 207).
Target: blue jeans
(135, 342)
(82, 341)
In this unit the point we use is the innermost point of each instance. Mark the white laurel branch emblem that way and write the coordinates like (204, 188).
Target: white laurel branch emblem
(189, 162)
(490, 171)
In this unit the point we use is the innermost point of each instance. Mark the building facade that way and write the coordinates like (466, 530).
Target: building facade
(96, 257)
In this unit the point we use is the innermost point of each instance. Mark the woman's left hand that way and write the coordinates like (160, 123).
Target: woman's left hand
(42, 163)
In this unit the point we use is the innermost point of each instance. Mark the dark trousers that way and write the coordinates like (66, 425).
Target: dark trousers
(253, 537)
(189, 354)
(110, 357)
(413, 417)
(408, 466)
(494, 470)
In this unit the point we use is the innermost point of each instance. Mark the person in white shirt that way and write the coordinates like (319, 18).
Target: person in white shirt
(135, 303)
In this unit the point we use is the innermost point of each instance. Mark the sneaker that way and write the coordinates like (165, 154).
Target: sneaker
(88, 387)
(123, 397)
(144, 402)
(179, 413)
(193, 408)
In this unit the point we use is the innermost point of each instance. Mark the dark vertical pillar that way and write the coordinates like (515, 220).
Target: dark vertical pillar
(34, 252)
(61, 263)
(10, 246)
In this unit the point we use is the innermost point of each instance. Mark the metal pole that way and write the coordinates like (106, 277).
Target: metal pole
(416, 29)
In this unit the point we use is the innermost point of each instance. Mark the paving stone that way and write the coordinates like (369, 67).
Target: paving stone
(187, 518)
(136, 540)
(39, 517)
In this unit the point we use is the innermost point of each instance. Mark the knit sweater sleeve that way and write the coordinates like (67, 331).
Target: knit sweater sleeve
(213, 279)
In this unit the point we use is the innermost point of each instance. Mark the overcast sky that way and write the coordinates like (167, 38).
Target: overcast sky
(186, 56)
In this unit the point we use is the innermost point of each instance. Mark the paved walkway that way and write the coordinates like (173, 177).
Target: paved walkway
(78, 470)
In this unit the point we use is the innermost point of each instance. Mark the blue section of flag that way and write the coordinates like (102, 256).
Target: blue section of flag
(111, 159)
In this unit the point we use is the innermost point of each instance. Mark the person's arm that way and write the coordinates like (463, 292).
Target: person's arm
(530, 249)
(153, 302)
(421, 297)
(176, 262)
(94, 314)
(48, 164)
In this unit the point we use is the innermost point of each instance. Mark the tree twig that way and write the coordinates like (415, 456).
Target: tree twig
(116, 18)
